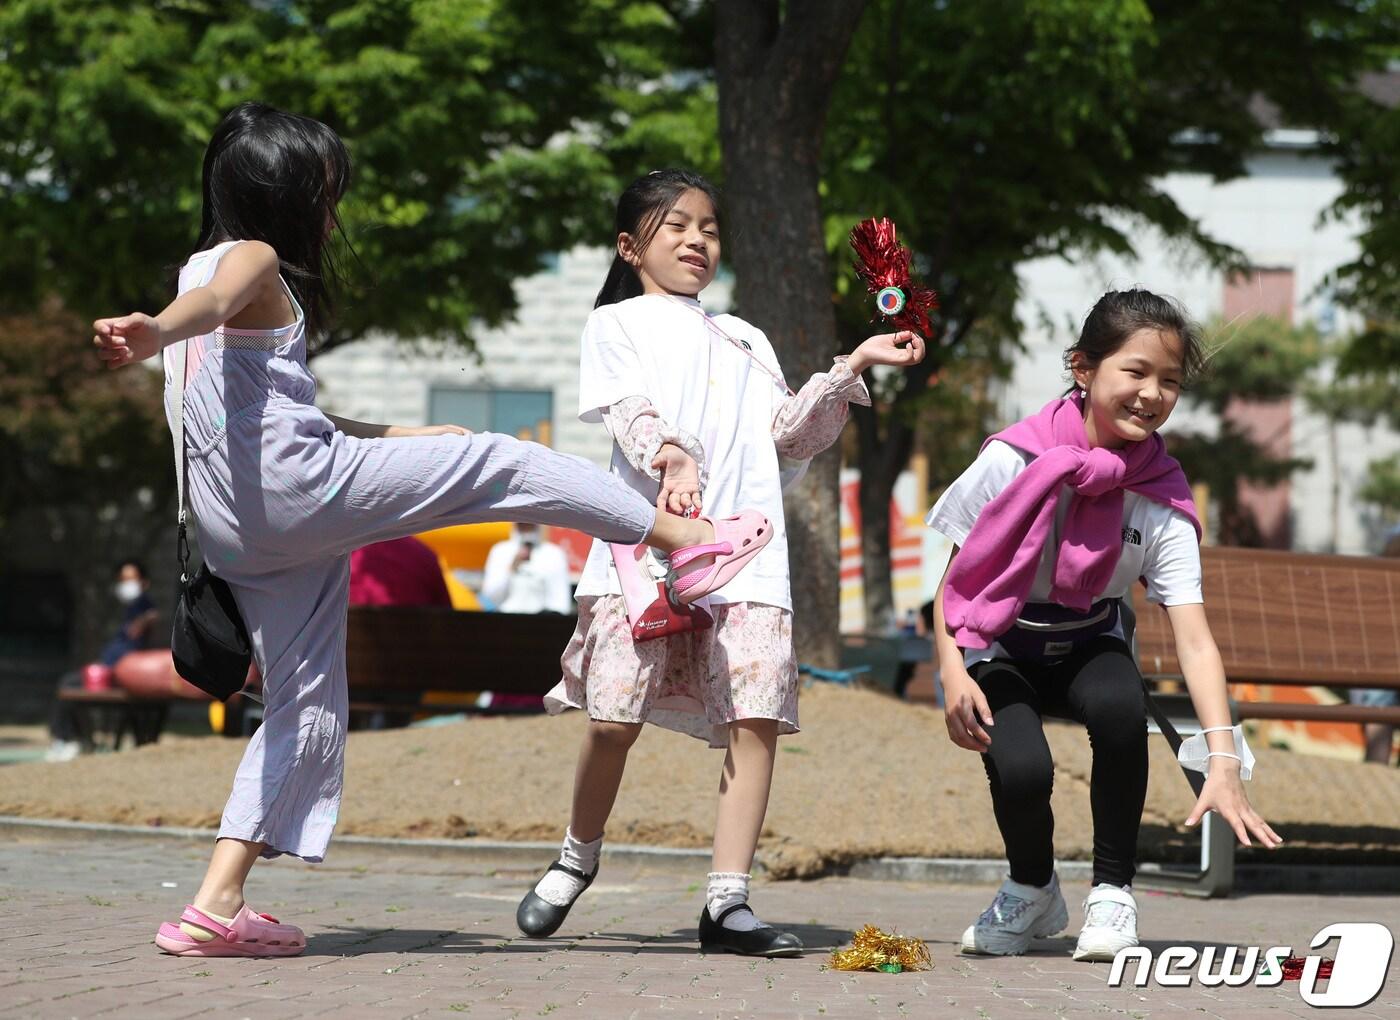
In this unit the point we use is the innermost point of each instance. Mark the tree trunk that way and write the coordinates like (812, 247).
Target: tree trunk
(776, 75)
(877, 580)
(883, 453)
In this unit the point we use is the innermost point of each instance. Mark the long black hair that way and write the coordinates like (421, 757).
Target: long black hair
(277, 177)
(1119, 314)
(640, 212)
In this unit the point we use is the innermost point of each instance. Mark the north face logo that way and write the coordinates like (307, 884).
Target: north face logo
(1131, 536)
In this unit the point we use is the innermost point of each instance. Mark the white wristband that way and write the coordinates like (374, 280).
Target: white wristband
(1221, 754)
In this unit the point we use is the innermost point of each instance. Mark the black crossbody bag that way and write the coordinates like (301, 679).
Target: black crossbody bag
(209, 640)
(1046, 631)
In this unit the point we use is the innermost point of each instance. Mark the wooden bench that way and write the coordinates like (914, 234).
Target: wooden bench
(1290, 618)
(395, 654)
(104, 719)
(1284, 618)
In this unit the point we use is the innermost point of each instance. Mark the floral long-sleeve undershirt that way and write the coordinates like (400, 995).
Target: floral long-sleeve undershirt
(806, 423)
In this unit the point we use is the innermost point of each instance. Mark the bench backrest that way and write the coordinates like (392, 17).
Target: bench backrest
(432, 648)
(1283, 617)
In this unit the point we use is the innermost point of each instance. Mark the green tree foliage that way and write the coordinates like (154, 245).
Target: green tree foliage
(70, 430)
(475, 126)
(85, 461)
(1365, 391)
(1003, 131)
(1365, 141)
(1382, 486)
(1258, 359)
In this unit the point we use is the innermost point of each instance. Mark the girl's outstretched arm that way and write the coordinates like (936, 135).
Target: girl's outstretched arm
(808, 422)
(1205, 680)
(247, 276)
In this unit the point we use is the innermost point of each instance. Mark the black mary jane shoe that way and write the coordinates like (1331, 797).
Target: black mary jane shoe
(765, 941)
(539, 918)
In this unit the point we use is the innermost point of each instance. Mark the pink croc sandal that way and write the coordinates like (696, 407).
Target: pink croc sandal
(250, 934)
(737, 540)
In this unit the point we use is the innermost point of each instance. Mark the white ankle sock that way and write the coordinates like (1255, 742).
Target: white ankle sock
(559, 887)
(727, 889)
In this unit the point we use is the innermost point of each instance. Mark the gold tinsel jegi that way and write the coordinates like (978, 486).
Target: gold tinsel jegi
(872, 949)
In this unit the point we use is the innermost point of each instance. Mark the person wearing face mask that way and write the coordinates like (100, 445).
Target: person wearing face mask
(138, 613)
(133, 635)
(525, 574)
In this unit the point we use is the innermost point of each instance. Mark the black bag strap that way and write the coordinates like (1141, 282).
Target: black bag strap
(1196, 779)
(182, 538)
(177, 429)
(1128, 619)
(177, 426)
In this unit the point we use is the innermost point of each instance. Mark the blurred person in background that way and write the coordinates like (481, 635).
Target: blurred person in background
(139, 615)
(525, 574)
(399, 572)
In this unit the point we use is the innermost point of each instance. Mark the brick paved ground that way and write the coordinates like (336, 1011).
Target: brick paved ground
(395, 934)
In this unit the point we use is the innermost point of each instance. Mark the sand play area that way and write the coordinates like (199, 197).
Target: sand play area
(868, 776)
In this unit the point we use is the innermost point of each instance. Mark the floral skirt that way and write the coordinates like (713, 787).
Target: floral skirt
(697, 683)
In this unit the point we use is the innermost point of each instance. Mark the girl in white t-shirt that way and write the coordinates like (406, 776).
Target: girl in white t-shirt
(695, 403)
(1052, 524)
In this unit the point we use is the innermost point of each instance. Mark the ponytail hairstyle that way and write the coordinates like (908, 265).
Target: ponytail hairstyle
(640, 213)
(1120, 313)
(277, 177)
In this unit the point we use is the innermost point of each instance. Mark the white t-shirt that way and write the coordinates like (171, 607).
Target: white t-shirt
(1159, 543)
(668, 350)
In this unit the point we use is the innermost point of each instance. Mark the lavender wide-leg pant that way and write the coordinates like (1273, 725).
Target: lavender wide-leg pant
(281, 499)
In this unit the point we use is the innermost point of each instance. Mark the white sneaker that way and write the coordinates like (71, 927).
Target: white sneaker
(1018, 914)
(1110, 923)
(63, 750)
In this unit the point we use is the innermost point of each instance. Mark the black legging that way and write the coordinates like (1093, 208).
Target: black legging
(1100, 687)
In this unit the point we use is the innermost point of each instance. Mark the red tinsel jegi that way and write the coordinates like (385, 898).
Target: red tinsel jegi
(881, 261)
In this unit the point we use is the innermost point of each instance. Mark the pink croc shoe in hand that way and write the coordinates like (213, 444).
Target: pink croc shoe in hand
(249, 934)
(737, 540)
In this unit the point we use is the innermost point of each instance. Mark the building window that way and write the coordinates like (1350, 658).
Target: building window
(1262, 290)
(525, 414)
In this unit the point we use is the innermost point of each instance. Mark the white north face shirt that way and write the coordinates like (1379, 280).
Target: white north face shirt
(1159, 543)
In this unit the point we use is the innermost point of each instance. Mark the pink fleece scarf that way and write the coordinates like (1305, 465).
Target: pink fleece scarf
(994, 570)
